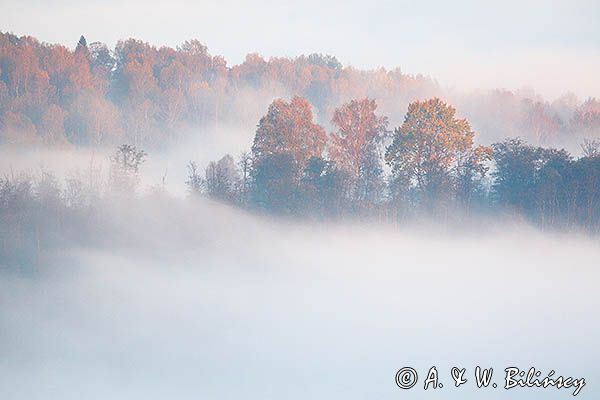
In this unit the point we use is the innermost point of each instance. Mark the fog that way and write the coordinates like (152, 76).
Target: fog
(152, 291)
(199, 300)
(165, 168)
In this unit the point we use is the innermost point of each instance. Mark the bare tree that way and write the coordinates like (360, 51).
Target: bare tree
(195, 182)
(591, 148)
(125, 166)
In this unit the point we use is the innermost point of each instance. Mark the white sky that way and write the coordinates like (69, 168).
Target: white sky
(550, 46)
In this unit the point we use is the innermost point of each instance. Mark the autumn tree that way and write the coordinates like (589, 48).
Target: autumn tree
(286, 138)
(544, 124)
(429, 149)
(147, 94)
(288, 128)
(359, 131)
(52, 125)
(356, 146)
(586, 119)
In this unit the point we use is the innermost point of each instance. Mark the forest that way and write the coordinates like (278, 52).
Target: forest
(330, 142)
(148, 96)
(299, 200)
(428, 167)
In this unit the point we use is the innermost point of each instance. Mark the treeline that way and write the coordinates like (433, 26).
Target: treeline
(148, 96)
(429, 165)
(39, 213)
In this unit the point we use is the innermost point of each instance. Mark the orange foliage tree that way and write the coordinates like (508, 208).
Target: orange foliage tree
(289, 128)
(359, 130)
(432, 148)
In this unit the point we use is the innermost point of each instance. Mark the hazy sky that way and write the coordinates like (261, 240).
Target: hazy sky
(551, 46)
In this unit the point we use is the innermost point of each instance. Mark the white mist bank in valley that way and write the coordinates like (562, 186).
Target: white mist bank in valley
(166, 168)
(192, 301)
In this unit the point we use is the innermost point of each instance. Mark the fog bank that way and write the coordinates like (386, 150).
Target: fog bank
(204, 301)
